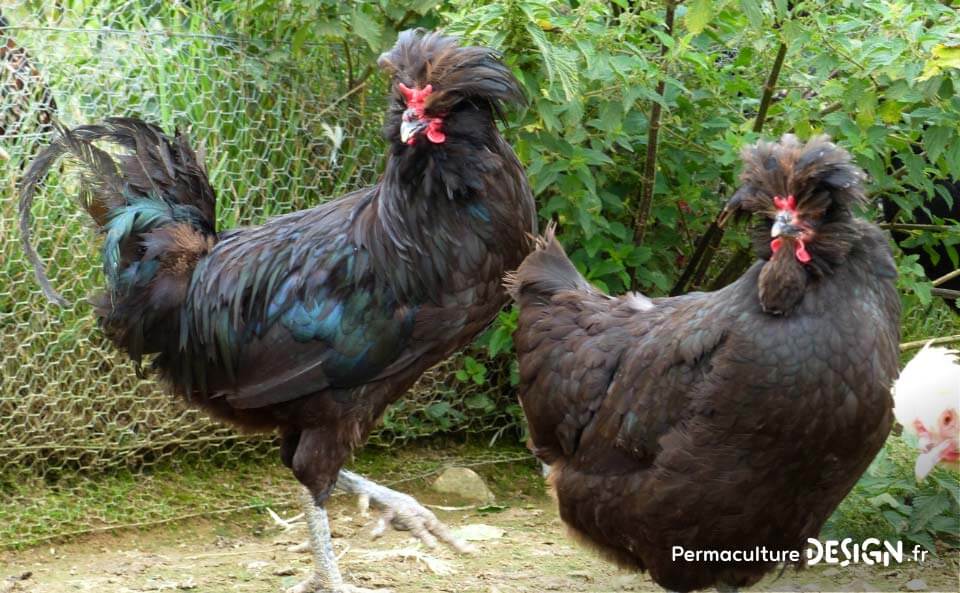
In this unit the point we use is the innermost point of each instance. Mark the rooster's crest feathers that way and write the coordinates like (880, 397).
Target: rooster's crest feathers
(420, 59)
(820, 175)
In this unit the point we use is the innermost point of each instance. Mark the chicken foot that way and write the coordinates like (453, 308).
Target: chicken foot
(327, 578)
(400, 511)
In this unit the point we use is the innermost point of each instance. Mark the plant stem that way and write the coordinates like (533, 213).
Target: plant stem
(920, 343)
(710, 241)
(946, 277)
(650, 164)
(898, 226)
(946, 293)
(769, 87)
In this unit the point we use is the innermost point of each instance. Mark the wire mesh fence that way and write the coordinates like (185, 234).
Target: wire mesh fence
(277, 134)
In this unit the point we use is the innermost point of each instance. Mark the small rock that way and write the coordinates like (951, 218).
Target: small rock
(916, 585)
(257, 565)
(286, 571)
(464, 483)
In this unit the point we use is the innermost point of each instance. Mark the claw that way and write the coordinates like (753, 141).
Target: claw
(363, 504)
(402, 512)
(300, 548)
(286, 524)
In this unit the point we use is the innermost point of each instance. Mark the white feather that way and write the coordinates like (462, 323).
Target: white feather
(928, 385)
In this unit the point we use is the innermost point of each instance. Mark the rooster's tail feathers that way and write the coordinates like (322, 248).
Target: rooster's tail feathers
(153, 200)
(545, 272)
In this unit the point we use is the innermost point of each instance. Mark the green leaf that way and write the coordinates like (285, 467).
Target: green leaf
(479, 402)
(936, 139)
(885, 499)
(926, 508)
(561, 63)
(300, 37)
(942, 57)
(365, 27)
(754, 13)
(438, 410)
(699, 15)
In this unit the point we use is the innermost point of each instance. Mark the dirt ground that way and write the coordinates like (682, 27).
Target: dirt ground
(522, 548)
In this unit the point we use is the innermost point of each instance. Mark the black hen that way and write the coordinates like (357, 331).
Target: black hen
(314, 322)
(724, 420)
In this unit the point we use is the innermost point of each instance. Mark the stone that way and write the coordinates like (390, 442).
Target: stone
(465, 483)
(916, 585)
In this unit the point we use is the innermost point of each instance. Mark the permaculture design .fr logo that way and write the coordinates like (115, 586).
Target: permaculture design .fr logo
(839, 552)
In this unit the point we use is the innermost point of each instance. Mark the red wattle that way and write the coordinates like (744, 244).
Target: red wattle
(433, 131)
(799, 250)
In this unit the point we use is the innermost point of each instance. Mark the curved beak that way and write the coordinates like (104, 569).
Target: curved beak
(783, 225)
(410, 126)
(933, 455)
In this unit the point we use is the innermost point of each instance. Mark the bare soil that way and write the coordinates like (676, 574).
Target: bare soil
(248, 552)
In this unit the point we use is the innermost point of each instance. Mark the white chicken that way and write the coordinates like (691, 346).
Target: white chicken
(926, 402)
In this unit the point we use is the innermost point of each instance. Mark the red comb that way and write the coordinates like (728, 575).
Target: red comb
(788, 203)
(415, 98)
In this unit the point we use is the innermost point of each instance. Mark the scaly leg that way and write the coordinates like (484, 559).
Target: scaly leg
(327, 578)
(401, 511)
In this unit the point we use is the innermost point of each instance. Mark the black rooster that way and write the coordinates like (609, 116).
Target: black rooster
(724, 420)
(316, 321)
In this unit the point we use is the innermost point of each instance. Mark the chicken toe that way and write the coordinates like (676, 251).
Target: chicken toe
(402, 512)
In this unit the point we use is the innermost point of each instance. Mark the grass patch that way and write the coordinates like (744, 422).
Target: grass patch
(36, 510)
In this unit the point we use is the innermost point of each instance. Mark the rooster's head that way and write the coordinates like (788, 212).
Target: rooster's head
(444, 92)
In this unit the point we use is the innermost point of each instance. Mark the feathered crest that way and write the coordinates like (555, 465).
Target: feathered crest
(819, 174)
(420, 59)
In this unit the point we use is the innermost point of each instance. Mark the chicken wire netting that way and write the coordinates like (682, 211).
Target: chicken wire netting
(277, 134)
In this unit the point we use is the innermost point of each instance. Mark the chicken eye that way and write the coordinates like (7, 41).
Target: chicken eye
(947, 419)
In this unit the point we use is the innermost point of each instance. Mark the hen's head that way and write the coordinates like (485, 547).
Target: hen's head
(926, 402)
(442, 92)
(804, 195)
